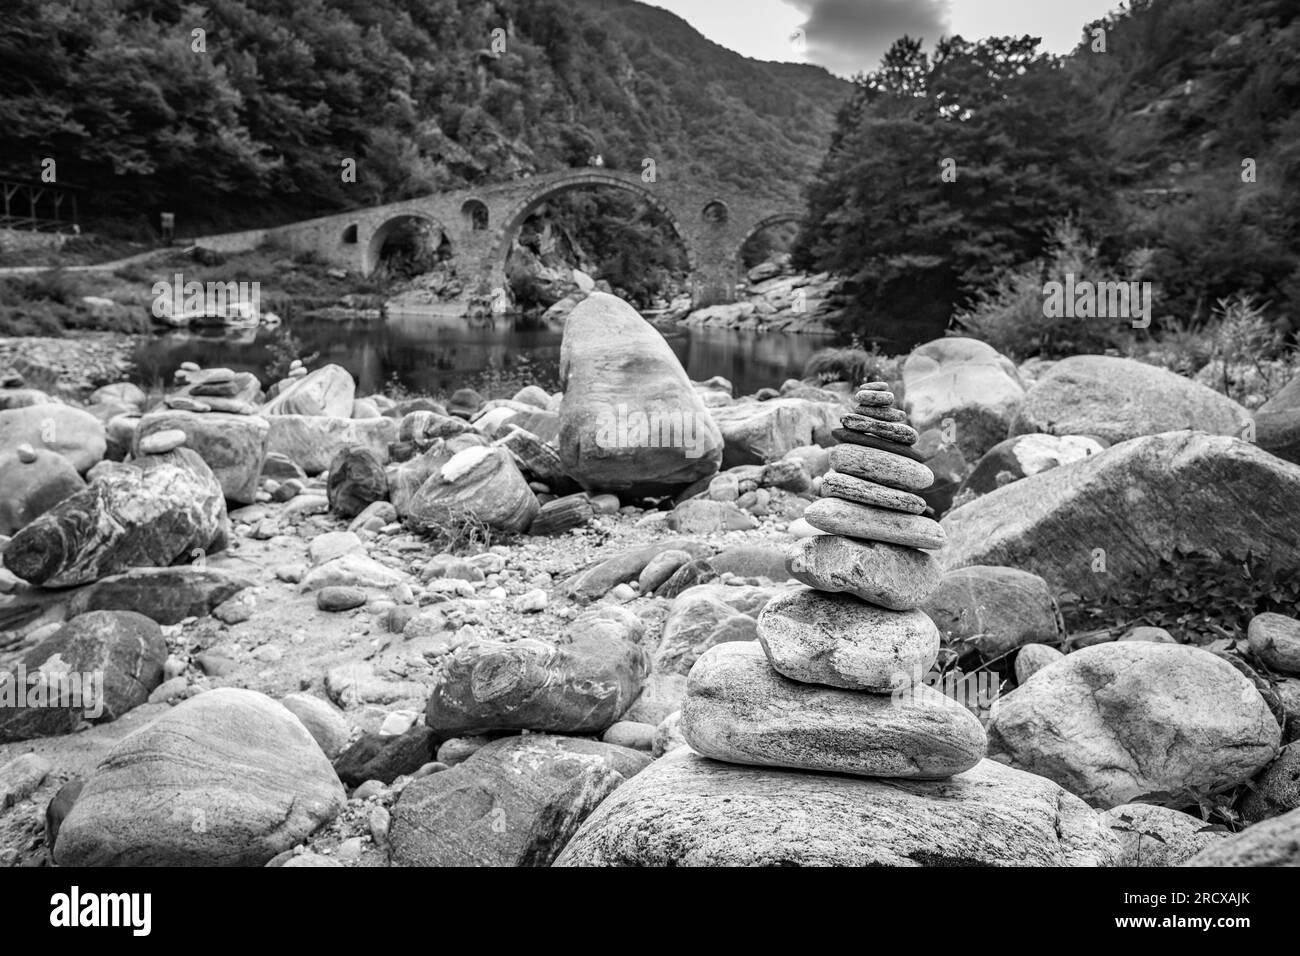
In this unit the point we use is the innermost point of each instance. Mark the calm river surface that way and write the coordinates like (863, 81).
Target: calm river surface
(428, 354)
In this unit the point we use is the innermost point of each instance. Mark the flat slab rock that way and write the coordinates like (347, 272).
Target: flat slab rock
(686, 810)
(888, 575)
(1136, 502)
(738, 709)
(840, 641)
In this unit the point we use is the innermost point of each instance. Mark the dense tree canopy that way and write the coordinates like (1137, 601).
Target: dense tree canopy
(1139, 137)
(250, 125)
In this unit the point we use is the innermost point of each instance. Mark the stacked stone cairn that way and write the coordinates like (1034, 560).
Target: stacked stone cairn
(836, 681)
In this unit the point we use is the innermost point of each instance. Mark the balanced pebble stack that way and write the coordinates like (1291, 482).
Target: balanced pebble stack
(835, 682)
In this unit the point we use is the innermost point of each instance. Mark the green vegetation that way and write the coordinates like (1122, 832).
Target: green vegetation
(50, 303)
(1199, 597)
(253, 131)
(1141, 147)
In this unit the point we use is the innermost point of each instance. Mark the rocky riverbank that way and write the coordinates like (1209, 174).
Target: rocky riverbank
(327, 625)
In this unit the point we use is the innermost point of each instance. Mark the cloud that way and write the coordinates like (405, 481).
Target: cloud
(849, 36)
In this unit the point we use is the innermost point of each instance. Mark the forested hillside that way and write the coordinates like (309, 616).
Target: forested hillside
(1170, 141)
(253, 127)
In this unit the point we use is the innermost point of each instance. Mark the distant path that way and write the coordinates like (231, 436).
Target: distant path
(97, 267)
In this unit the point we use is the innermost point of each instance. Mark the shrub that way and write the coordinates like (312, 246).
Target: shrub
(850, 365)
(1010, 315)
(1200, 597)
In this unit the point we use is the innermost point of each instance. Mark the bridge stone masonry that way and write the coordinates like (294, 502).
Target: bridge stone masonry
(481, 224)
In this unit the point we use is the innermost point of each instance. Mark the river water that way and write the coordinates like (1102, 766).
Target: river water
(427, 354)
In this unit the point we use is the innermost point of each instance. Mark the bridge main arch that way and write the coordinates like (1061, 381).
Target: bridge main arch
(372, 250)
(493, 274)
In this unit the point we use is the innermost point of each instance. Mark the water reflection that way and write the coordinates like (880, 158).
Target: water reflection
(430, 353)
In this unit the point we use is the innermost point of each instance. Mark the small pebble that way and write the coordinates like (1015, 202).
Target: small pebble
(336, 599)
(378, 821)
(369, 790)
(397, 723)
(530, 603)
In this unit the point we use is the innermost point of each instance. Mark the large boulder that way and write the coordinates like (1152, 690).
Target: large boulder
(1277, 423)
(1081, 525)
(577, 688)
(1274, 842)
(328, 391)
(630, 421)
(228, 778)
(481, 484)
(232, 445)
(153, 513)
(1118, 399)
(759, 432)
(76, 435)
(97, 666)
(1136, 721)
(685, 810)
(515, 802)
(967, 381)
(31, 483)
(312, 441)
(993, 610)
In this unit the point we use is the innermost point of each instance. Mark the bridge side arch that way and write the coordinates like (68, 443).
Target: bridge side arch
(494, 275)
(776, 219)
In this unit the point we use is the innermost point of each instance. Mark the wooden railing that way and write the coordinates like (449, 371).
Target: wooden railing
(44, 206)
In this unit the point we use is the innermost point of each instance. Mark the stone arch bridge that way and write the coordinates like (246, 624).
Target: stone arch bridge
(481, 225)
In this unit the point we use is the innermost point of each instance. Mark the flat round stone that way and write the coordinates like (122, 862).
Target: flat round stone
(871, 441)
(26, 453)
(739, 710)
(870, 397)
(874, 524)
(848, 488)
(183, 404)
(884, 413)
(882, 467)
(875, 387)
(161, 442)
(888, 575)
(900, 432)
(841, 641)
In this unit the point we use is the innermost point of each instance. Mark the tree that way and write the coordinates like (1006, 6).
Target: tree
(944, 171)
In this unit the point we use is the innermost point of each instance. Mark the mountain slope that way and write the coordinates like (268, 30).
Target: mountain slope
(251, 122)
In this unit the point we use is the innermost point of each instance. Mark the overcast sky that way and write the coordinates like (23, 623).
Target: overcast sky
(847, 36)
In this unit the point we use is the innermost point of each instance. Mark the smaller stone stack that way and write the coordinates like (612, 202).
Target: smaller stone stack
(837, 683)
